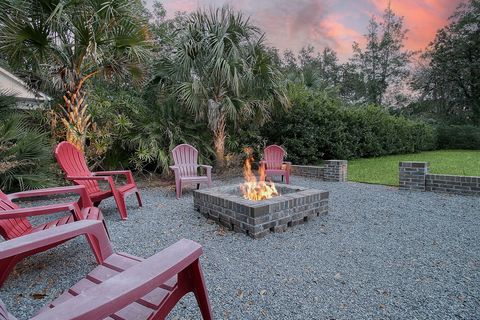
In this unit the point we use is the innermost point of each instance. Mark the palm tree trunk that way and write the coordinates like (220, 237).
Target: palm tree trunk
(76, 119)
(219, 141)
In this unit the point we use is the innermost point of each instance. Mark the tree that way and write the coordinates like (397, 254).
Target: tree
(384, 59)
(317, 72)
(450, 80)
(221, 71)
(352, 88)
(67, 42)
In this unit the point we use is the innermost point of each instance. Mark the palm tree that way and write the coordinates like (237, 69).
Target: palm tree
(67, 42)
(220, 70)
(25, 152)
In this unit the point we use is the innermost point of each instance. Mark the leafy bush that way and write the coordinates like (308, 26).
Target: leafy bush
(137, 130)
(458, 137)
(25, 152)
(318, 127)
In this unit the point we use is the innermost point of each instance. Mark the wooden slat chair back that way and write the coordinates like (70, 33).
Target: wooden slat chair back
(186, 167)
(273, 156)
(185, 158)
(273, 162)
(122, 286)
(73, 164)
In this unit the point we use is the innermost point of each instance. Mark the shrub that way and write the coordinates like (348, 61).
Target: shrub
(25, 152)
(318, 127)
(458, 137)
(137, 129)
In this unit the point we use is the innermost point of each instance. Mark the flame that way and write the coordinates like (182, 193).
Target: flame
(251, 188)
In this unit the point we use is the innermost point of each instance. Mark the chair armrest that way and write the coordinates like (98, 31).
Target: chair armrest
(287, 162)
(128, 286)
(80, 190)
(43, 210)
(207, 168)
(88, 178)
(126, 173)
(45, 238)
(110, 173)
(104, 178)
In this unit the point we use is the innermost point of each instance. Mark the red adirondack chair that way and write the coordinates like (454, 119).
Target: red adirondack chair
(273, 163)
(14, 223)
(122, 286)
(186, 168)
(73, 164)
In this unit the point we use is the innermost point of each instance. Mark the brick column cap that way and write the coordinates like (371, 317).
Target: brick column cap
(413, 164)
(336, 161)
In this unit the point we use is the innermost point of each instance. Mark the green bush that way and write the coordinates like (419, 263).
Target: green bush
(458, 137)
(318, 127)
(25, 152)
(138, 129)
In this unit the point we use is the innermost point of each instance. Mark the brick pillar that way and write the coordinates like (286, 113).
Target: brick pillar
(412, 175)
(335, 170)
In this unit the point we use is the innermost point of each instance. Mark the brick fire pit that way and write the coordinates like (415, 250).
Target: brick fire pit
(293, 206)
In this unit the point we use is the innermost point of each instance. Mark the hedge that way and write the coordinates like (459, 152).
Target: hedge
(458, 137)
(318, 127)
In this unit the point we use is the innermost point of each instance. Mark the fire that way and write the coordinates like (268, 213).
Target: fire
(253, 189)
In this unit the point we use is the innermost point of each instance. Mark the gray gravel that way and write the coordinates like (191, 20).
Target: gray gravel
(379, 254)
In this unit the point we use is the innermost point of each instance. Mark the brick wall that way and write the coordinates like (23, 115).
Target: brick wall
(415, 176)
(412, 175)
(453, 184)
(333, 170)
(308, 171)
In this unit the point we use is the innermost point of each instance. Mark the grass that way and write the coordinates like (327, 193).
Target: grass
(384, 170)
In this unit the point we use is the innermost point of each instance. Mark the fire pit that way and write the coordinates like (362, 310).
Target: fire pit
(258, 208)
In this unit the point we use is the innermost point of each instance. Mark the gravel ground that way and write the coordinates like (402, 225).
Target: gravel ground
(379, 254)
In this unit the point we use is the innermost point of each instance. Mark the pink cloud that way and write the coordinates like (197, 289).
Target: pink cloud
(180, 5)
(422, 18)
(341, 35)
(293, 24)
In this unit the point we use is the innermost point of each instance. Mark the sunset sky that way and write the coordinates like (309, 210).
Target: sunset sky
(292, 24)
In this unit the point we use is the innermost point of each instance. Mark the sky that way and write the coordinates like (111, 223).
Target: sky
(293, 24)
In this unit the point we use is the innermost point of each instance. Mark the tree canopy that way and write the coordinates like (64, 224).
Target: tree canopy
(450, 79)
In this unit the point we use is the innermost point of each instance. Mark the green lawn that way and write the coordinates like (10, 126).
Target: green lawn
(384, 170)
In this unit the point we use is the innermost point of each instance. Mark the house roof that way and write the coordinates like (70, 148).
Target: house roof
(13, 85)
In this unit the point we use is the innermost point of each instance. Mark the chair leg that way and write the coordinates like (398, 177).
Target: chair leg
(287, 178)
(6, 265)
(198, 186)
(200, 291)
(209, 181)
(122, 208)
(178, 189)
(139, 199)
(282, 177)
